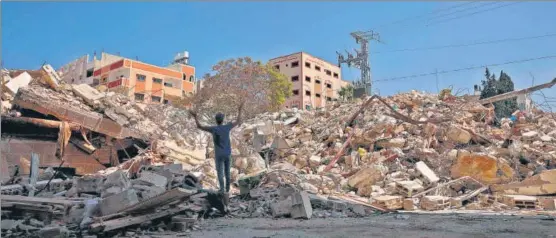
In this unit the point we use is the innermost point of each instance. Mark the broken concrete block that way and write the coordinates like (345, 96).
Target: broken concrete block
(18, 82)
(389, 202)
(529, 135)
(367, 176)
(51, 78)
(547, 203)
(432, 203)
(429, 176)
(10, 224)
(301, 205)
(458, 135)
(88, 93)
(282, 207)
(546, 138)
(153, 179)
(392, 143)
(117, 178)
(408, 188)
(409, 204)
(520, 201)
(54, 231)
(484, 168)
(118, 202)
(543, 183)
(315, 161)
(88, 184)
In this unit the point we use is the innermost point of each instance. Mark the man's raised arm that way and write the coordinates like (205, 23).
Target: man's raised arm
(238, 120)
(204, 128)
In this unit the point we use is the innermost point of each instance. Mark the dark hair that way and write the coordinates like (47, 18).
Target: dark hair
(219, 118)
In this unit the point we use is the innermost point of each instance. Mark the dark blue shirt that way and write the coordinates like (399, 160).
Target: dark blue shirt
(221, 139)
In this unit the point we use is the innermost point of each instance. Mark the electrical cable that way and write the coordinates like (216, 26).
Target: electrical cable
(464, 69)
(468, 44)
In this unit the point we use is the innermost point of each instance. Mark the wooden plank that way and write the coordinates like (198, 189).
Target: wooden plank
(160, 200)
(130, 221)
(34, 173)
(360, 203)
(39, 200)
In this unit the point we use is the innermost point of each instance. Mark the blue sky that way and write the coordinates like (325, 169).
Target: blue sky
(58, 32)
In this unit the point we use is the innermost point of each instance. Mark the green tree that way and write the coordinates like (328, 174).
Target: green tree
(242, 79)
(493, 87)
(346, 92)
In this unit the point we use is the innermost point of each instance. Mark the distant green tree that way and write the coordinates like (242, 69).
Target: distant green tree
(493, 87)
(346, 92)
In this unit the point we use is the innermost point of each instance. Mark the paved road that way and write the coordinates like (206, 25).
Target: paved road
(391, 225)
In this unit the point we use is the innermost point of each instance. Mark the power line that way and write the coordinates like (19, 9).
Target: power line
(473, 13)
(463, 10)
(466, 44)
(424, 15)
(465, 69)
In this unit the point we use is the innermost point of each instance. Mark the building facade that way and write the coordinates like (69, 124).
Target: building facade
(141, 81)
(315, 81)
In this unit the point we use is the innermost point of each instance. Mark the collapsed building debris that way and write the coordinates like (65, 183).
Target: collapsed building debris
(107, 164)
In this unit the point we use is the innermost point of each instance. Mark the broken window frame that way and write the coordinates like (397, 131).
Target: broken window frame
(295, 64)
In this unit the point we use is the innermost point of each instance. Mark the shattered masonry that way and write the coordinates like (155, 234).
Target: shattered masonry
(108, 165)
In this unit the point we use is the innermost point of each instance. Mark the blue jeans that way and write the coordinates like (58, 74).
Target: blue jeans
(223, 168)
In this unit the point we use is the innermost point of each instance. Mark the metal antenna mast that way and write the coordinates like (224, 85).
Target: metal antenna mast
(361, 60)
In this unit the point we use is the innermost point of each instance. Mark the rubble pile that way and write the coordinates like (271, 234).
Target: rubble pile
(97, 162)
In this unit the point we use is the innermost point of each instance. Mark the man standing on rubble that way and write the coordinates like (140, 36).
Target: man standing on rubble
(222, 146)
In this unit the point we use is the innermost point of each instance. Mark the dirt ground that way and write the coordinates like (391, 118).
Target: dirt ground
(389, 225)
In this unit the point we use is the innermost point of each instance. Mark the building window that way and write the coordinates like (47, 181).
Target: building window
(335, 75)
(328, 99)
(295, 78)
(317, 81)
(295, 64)
(328, 72)
(317, 95)
(167, 84)
(307, 93)
(307, 78)
(166, 101)
(307, 107)
(155, 99)
(191, 78)
(157, 80)
(184, 77)
(329, 85)
(103, 80)
(317, 68)
(295, 92)
(277, 67)
(90, 72)
(139, 97)
(141, 77)
(307, 64)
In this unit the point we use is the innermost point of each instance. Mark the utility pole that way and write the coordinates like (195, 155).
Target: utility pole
(361, 60)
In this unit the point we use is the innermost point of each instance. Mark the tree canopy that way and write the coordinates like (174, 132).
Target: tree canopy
(261, 86)
(493, 87)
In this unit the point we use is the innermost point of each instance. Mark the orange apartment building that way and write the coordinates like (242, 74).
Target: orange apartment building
(141, 81)
(315, 81)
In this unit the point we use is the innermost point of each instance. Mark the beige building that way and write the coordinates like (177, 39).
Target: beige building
(315, 81)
